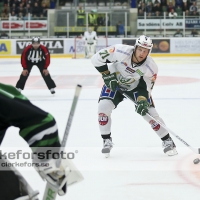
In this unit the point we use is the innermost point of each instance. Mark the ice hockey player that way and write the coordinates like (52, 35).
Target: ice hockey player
(35, 54)
(90, 38)
(39, 129)
(135, 72)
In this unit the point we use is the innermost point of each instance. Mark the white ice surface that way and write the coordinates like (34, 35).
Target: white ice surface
(137, 169)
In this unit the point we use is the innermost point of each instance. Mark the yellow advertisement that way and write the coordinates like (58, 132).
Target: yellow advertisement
(5, 47)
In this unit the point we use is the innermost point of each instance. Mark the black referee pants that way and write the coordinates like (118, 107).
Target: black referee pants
(48, 80)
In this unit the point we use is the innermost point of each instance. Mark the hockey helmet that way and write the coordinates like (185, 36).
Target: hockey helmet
(36, 40)
(145, 42)
(90, 30)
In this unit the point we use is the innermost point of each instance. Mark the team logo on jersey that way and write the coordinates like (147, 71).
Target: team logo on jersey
(129, 70)
(126, 81)
(103, 119)
(112, 50)
(154, 77)
(154, 125)
(139, 72)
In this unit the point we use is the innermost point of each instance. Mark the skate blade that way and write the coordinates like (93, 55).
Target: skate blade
(107, 155)
(172, 152)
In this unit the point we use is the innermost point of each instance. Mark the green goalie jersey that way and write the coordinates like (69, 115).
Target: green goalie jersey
(37, 127)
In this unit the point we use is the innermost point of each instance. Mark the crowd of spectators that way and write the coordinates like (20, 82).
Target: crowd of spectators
(23, 9)
(172, 8)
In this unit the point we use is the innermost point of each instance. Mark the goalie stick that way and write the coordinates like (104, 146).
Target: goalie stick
(195, 150)
(50, 191)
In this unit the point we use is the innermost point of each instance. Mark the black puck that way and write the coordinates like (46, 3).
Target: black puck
(196, 161)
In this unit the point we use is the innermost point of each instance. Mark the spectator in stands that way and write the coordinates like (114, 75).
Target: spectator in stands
(36, 11)
(13, 8)
(28, 9)
(80, 16)
(194, 32)
(142, 7)
(20, 9)
(170, 7)
(13, 16)
(195, 14)
(149, 8)
(187, 14)
(191, 2)
(179, 11)
(4, 16)
(92, 19)
(178, 33)
(44, 10)
(6, 10)
(27, 16)
(16, 2)
(193, 7)
(178, 3)
(156, 7)
(120, 28)
(155, 1)
(185, 6)
(140, 13)
(163, 3)
(100, 20)
(20, 16)
(172, 14)
(31, 2)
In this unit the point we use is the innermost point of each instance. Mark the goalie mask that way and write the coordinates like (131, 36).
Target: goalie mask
(145, 42)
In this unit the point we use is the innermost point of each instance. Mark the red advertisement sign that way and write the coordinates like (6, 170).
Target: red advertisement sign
(14, 25)
(36, 25)
(23, 25)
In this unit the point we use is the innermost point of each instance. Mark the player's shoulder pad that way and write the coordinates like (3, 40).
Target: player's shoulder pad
(124, 49)
(151, 65)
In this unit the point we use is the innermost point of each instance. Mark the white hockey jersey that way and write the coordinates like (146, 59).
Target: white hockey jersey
(129, 74)
(90, 37)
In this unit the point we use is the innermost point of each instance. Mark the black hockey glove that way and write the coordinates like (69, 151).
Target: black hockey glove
(110, 81)
(142, 106)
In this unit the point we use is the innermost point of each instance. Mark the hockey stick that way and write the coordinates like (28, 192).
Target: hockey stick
(50, 191)
(196, 150)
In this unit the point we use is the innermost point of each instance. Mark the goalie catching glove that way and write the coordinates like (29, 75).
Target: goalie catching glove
(110, 81)
(142, 106)
(59, 177)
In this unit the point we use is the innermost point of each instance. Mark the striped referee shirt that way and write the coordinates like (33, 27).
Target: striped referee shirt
(29, 54)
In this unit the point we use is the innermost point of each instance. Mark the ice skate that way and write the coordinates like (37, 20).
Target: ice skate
(107, 146)
(169, 147)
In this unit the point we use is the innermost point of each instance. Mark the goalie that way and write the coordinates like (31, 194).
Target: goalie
(39, 129)
(90, 38)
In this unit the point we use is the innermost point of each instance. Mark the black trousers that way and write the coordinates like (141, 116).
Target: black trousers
(48, 80)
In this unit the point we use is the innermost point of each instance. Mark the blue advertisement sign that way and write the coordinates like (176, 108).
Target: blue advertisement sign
(192, 23)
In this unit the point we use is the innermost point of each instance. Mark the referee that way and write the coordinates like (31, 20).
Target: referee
(35, 54)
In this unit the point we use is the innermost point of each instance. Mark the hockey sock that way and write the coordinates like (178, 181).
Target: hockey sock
(165, 137)
(106, 136)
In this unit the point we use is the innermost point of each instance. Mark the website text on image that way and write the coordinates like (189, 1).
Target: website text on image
(79, 46)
